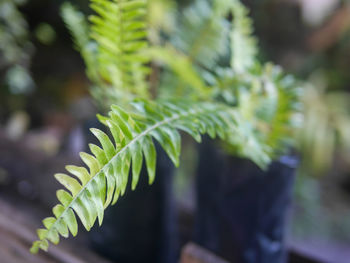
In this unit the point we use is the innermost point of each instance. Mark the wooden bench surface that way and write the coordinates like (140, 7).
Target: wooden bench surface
(17, 232)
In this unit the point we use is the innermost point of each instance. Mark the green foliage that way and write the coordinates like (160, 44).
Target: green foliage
(13, 32)
(203, 41)
(202, 33)
(200, 40)
(109, 165)
(112, 47)
(79, 28)
(325, 131)
(269, 102)
(161, 19)
(183, 79)
(249, 106)
(243, 44)
(15, 47)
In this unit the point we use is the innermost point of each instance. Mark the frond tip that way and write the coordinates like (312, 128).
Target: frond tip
(112, 41)
(89, 191)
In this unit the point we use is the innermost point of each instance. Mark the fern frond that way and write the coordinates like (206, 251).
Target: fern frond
(247, 142)
(269, 102)
(89, 191)
(120, 30)
(77, 25)
(243, 43)
(283, 123)
(202, 38)
(195, 47)
(202, 33)
(111, 46)
(79, 29)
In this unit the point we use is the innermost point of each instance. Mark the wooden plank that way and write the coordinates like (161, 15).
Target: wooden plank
(193, 253)
(17, 232)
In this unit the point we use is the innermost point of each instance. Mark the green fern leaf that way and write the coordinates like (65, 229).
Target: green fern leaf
(88, 192)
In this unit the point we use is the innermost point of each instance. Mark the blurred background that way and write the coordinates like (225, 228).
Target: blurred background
(45, 110)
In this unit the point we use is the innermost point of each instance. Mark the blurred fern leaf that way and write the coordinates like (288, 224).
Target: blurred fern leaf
(243, 43)
(202, 33)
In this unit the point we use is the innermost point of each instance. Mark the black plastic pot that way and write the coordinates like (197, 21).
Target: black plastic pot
(241, 210)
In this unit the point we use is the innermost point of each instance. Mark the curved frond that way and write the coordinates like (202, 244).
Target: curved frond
(91, 189)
